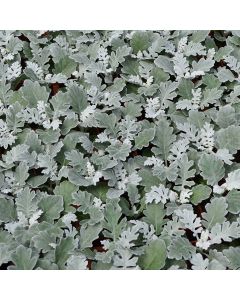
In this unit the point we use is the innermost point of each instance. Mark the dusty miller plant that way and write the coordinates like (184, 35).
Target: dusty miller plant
(120, 150)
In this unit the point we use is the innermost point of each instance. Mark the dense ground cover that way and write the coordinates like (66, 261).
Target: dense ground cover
(119, 150)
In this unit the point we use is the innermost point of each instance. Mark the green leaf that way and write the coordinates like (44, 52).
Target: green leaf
(51, 206)
(63, 251)
(23, 258)
(200, 192)
(215, 213)
(154, 214)
(211, 168)
(144, 137)
(154, 257)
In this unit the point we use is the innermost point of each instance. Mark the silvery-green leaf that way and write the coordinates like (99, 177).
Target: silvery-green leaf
(164, 138)
(226, 232)
(21, 173)
(65, 66)
(33, 92)
(164, 63)
(154, 214)
(48, 136)
(222, 52)
(24, 259)
(210, 96)
(180, 248)
(51, 206)
(119, 56)
(77, 262)
(211, 168)
(233, 256)
(233, 201)
(226, 116)
(77, 98)
(154, 256)
(225, 75)
(5, 254)
(199, 36)
(200, 192)
(65, 189)
(144, 137)
(46, 239)
(107, 121)
(215, 213)
(63, 251)
(141, 40)
(7, 210)
(112, 221)
(233, 180)
(185, 173)
(229, 138)
(36, 181)
(194, 48)
(119, 151)
(88, 233)
(203, 65)
(25, 202)
(198, 262)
